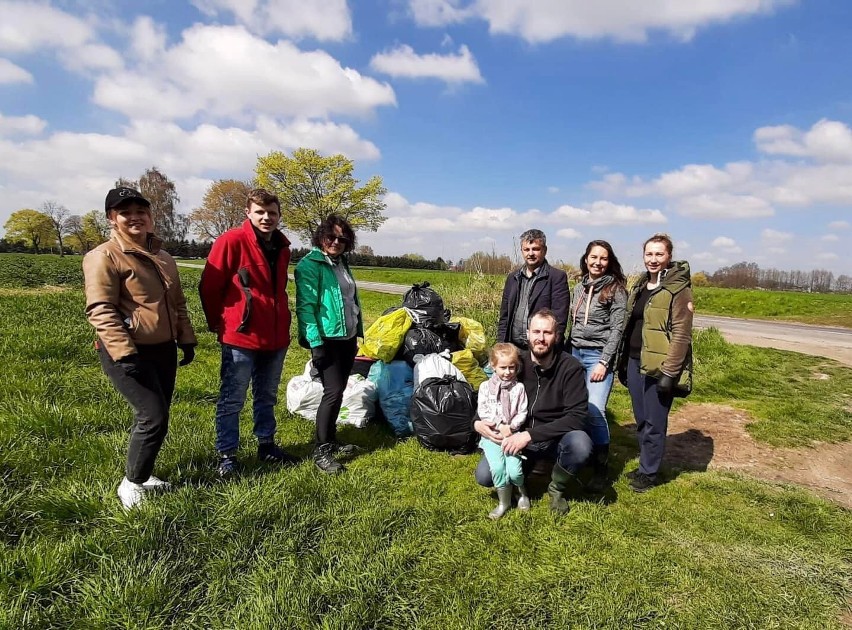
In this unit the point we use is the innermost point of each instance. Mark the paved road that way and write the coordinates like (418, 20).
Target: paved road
(824, 341)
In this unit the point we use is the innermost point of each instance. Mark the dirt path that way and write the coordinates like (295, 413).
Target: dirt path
(709, 436)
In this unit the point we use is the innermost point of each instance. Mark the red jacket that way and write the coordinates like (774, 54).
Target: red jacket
(237, 295)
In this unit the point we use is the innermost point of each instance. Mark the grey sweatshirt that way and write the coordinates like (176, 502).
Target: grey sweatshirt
(597, 325)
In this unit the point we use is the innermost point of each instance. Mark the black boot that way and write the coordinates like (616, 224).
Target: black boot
(560, 481)
(324, 459)
(599, 461)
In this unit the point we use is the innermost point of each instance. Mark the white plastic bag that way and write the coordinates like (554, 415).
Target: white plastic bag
(434, 366)
(359, 398)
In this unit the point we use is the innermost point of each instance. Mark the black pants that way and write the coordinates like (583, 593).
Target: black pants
(148, 388)
(334, 378)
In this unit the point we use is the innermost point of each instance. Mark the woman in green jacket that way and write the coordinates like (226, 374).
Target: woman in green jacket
(656, 357)
(330, 323)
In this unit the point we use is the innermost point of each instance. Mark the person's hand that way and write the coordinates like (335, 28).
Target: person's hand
(505, 430)
(130, 364)
(188, 353)
(665, 384)
(487, 431)
(516, 443)
(598, 373)
(320, 357)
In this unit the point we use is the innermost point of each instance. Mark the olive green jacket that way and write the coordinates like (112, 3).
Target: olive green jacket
(666, 328)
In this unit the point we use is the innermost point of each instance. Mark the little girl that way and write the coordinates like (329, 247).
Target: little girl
(503, 405)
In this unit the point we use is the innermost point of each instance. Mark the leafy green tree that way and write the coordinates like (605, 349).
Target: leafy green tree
(222, 208)
(31, 226)
(311, 187)
(88, 231)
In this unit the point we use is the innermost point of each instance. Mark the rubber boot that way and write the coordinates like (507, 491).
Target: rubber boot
(504, 498)
(600, 469)
(523, 499)
(560, 479)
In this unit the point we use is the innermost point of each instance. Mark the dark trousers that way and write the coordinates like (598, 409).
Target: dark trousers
(571, 452)
(651, 411)
(147, 386)
(334, 378)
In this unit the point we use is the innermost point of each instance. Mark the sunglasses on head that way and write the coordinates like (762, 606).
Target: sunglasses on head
(340, 239)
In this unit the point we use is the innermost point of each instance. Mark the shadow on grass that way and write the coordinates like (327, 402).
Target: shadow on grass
(688, 451)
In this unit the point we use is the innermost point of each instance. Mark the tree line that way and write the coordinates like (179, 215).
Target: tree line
(748, 275)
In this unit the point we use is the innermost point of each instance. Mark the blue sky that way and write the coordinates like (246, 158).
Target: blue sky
(726, 123)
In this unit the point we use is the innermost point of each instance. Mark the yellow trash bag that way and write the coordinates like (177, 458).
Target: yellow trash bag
(469, 367)
(472, 335)
(383, 339)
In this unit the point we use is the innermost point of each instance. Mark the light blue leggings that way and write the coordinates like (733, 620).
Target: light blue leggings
(505, 469)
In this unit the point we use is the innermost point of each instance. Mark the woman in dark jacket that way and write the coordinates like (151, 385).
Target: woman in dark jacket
(330, 323)
(597, 321)
(656, 360)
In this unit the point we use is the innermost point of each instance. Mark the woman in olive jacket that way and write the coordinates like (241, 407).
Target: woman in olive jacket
(656, 356)
(330, 323)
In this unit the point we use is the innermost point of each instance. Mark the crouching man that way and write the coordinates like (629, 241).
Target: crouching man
(244, 294)
(555, 384)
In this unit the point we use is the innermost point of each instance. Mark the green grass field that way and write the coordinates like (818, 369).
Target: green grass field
(401, 540)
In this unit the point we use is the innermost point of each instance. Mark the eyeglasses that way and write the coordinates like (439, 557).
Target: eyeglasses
(339, 239)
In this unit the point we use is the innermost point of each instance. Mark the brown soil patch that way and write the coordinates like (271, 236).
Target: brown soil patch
(707, 436)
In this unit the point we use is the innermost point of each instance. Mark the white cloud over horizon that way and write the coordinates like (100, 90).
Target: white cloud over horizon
(403, 62)
(325, 20)
(620, 20)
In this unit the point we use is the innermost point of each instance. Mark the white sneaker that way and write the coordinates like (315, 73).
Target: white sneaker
(131, 494)
(154, 484)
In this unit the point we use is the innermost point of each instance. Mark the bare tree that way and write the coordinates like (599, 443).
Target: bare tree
(58, 215)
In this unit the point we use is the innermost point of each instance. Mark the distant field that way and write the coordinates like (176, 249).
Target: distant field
(810, 308)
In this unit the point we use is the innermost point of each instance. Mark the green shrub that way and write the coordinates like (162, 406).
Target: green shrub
(29, 270)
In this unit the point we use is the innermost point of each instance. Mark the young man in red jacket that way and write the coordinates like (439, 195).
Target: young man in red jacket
(244, 295)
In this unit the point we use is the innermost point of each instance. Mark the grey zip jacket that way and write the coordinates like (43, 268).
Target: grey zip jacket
(595, 324)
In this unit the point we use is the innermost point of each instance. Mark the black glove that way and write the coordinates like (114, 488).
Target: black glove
(188, 353)
(320, 358)
(665, 384)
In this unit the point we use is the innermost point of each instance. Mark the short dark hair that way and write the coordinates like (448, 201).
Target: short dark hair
(325, 231)
(262, 197)
(531, 236)
(547, 313)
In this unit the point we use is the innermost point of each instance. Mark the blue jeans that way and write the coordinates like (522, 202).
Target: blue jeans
(239, 366)
(571, 453)
(597, 427)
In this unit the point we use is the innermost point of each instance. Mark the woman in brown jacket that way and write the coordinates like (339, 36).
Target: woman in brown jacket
(135, 303)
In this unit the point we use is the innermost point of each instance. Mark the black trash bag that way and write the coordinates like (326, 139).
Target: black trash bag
(422, 341)
(425, 306)
(449, 332)
(442, 412)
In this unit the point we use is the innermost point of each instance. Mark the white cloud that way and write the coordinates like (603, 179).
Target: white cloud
(225, 71)
(12, 73)
(325, 20)
(621, 20)
(30, 27)
(828, 256)
(768, 235)
(608, 213)
(839, 225)
(724, 206)
(553, 189)
(830, 238)
(21, 125)
(569, 233)
(403, 62)
(825, 141)
(726, 245)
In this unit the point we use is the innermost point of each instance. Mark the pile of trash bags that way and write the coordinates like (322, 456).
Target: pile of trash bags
(425, 372)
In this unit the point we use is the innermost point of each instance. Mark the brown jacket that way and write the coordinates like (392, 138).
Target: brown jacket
(133, 296)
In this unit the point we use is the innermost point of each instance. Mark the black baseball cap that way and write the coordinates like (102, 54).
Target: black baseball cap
(118, 196)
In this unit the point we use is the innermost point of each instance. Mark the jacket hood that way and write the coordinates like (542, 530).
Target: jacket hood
(676, 277)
